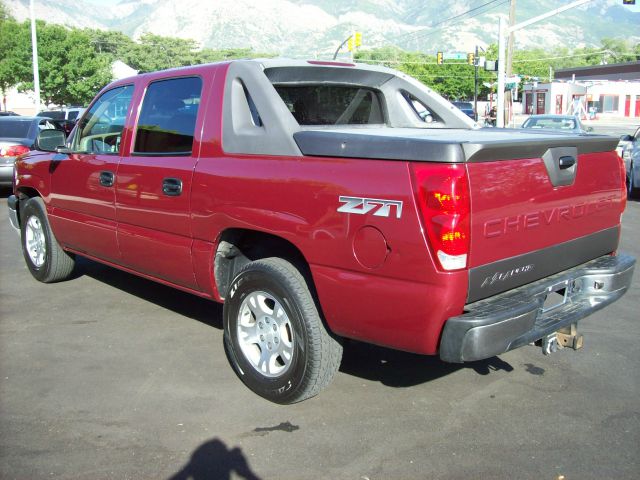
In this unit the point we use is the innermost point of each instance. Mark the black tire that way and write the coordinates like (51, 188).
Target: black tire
(48, 266)
(306, 357)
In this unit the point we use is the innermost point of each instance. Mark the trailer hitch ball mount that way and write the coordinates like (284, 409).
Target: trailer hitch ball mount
(564, 338)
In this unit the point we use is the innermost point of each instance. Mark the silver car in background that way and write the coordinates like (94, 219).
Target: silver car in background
(563, 123)
(631, 157)
(17, 136)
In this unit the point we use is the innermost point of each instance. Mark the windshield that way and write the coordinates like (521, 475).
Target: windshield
(332, 104)
(14, 128)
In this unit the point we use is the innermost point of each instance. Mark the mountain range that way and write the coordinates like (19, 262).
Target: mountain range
(304, 28)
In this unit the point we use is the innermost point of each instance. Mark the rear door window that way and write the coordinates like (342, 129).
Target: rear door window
(168, 117)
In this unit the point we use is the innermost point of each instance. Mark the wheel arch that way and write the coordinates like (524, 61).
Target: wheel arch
(237, 247)
(24, 194)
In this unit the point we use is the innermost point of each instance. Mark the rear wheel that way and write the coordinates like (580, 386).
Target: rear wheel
(46, 260)
(274, 336)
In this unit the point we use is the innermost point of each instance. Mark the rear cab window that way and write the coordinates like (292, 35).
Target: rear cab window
(333, 104)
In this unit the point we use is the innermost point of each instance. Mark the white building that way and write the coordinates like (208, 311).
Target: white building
(613, 91)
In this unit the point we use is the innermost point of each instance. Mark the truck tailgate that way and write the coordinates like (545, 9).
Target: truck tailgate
(528, 224)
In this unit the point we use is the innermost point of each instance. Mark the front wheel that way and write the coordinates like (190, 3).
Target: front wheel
(274, 336)
(46, 260)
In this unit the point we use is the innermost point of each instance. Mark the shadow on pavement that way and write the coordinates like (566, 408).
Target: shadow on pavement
(213, 460)
(389, 367)
(183, 303)
(398, 369)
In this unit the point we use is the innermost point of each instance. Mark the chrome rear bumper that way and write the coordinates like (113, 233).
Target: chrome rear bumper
(520, 316)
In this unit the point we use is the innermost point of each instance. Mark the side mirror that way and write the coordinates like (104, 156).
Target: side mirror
(50, 140)
(627, 138)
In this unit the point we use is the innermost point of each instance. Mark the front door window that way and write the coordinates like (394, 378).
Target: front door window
(100, 130)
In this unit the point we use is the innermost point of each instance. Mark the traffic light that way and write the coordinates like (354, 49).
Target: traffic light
(354, 41)
(471, 58)
(440, 58)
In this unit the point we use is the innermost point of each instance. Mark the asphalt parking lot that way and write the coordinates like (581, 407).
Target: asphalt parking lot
(109, 376)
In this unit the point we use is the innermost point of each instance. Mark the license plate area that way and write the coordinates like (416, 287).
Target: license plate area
(555, 296)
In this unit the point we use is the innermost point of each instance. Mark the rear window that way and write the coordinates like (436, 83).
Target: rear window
(15, 128)
(56, 114)
(332, 104)
(461, 105)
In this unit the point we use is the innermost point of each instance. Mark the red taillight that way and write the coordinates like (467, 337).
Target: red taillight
(623, 178)
(13, 150)
(442, 193)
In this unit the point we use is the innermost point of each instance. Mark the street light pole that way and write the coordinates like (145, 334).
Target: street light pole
(34, 49)
(502, 32)
(501, 70)
(475, 85)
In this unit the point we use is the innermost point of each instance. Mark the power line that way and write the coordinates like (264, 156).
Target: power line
(396, 62)
(597, 52)
(428, 33)
(410, 34)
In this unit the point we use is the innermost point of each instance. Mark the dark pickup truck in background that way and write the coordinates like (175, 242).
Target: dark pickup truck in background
(322, 201)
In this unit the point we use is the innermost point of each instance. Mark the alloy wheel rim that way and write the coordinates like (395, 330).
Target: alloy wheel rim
(35, 241)
(265, 335)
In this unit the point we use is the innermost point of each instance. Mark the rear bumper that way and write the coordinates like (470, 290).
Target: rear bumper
(12, 203)
(515, 318)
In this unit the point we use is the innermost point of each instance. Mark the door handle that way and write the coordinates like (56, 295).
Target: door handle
(107, 178)
(172, 187)
(566, 162)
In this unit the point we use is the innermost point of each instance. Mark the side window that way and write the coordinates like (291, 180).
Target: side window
(419, 108)
(100, 131)
(168, 117)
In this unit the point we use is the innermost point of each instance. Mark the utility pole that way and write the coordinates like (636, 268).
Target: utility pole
(34, 48)
(475, 85)
(477, 64)
(509, 68)
(503, 30)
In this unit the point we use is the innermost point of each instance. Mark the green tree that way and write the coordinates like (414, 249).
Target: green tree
(15, 44)
(70, 70)
(454, 79)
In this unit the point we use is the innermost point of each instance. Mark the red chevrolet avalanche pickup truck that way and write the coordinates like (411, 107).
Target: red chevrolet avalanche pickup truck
(322, 201)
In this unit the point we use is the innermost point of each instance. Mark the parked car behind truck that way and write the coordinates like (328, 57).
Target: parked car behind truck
(317, 203)
(631, 159)
(17, 136)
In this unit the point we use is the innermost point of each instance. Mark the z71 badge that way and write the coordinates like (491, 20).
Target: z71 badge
(362, 206)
